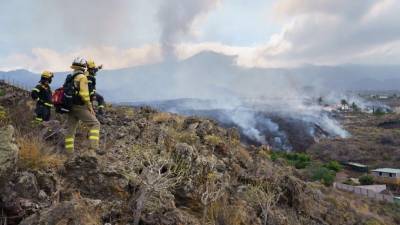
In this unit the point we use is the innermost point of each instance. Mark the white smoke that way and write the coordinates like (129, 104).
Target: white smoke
(176, 18)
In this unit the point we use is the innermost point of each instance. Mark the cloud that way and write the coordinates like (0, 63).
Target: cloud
(112, 58)
(334, 32)
(320, 32)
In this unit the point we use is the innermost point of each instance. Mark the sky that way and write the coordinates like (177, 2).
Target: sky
(47, 34)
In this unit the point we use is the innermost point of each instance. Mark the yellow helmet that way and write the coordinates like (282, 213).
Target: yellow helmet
(90, 64)
(47, 74)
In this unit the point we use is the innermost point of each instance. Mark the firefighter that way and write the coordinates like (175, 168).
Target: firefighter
(42, 95)
(82, 110)
(92, 70)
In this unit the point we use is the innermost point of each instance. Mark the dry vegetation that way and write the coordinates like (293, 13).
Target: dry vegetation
(33, 154)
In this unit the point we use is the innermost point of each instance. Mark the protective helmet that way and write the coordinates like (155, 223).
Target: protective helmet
(91, 64)
(79, 63)
(47, 74)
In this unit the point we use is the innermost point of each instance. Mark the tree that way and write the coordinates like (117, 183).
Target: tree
(323, 174)
(355, 107)
(320, 101)
(334, 166)
(344, 102)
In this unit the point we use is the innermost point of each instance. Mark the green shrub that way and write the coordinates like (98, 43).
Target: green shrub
(2, 93)
(274, 156)
(298, 160)
(323, 174)
(379, 112)
(334, 165)
(366, 180)
(301, 164)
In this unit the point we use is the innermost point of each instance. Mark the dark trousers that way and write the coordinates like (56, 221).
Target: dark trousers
(99, 99)
(42, 112)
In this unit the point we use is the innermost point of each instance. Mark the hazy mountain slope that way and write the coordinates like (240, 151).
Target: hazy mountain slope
(209, 75)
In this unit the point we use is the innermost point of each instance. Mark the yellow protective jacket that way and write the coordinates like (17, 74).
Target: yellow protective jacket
(81, 82)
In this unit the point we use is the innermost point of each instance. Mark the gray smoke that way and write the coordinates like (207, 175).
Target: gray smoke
(176, 18)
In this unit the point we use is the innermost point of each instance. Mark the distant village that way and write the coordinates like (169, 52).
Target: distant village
(381, 184)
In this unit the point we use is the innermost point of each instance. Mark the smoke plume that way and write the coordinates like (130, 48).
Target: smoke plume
(176, 18)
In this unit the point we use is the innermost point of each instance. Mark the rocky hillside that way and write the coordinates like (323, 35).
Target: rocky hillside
(159, 168)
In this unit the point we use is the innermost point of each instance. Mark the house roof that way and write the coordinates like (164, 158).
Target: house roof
(387, 170)
(356, 164)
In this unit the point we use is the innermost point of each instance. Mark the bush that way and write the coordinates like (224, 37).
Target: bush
(301, 164)
(366, 180)
(298, 160)
(334, 165)
(188, 138)
(274, 156)
(213, 140)
(32, 156)
(323, 174)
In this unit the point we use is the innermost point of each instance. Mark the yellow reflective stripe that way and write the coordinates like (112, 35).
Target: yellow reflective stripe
(35, 89)
(48, 104)
(94, 131)
(69, 146)
(93, 138)
(101, 106)
(84, 93)
(69, 140)
(38, 119)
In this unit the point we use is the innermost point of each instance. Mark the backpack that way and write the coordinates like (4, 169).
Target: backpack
(63, 98)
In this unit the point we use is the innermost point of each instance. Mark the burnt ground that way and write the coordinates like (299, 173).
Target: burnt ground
(375, 141)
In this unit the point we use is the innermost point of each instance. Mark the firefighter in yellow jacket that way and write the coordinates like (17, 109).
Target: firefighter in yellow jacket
(82, 110)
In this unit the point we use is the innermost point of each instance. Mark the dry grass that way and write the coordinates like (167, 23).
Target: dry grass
(244, 156)
(183, 136)
(223, 213)
(32, 155)
(162, 117)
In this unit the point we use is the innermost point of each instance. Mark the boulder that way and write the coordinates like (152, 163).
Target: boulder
(27, 186)
(8, 153)
(96, 179)
(73, 212)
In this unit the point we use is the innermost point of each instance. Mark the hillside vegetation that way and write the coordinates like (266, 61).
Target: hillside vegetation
(159, 168)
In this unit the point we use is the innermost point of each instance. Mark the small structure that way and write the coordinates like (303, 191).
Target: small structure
(387, 175)
(357, 167)
(374, 188)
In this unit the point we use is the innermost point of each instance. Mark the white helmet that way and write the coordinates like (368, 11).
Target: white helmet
(79, 63)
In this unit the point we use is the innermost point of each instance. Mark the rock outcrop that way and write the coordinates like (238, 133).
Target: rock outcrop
(8, 153)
